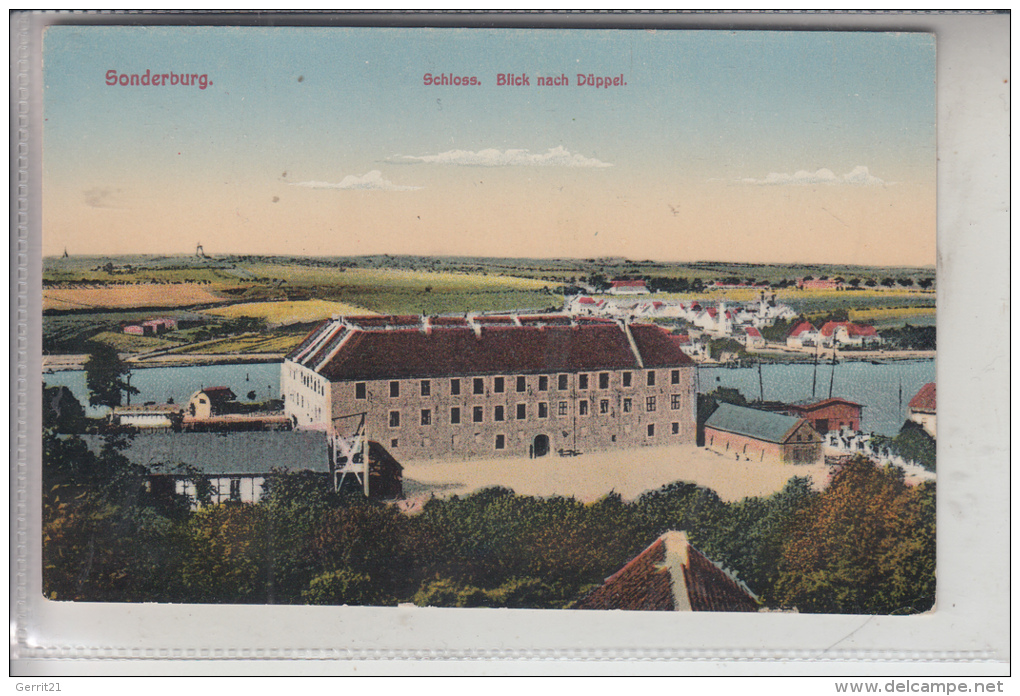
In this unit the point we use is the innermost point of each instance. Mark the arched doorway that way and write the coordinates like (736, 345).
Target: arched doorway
(540, 447)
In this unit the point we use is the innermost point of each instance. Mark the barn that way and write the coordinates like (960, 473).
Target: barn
(752, 435)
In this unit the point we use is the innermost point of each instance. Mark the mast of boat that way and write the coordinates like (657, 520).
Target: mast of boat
(832, 376)
(761, 384)
(814, 375)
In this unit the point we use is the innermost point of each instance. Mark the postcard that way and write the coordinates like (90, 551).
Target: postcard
(575, 320)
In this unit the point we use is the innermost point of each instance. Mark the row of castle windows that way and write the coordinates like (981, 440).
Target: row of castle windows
(521, 383)
(500, 441)
(499, 413)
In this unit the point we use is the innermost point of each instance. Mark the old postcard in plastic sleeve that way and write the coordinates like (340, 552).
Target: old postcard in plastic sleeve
(576, 320)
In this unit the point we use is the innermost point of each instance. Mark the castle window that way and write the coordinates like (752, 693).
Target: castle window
(651, 378)
(650, 404)
(604, 380)
(478, 414)
(563, 408)
(394, 389)
(543, 383)
(543, 409)
(360, 390)
(500, 442)
(394, 419)
(627, 376)
(479, 385)
(426, 388)
(676, 430)
(674, 377)
(562, 382)
(628, 405)
(498, 413)
(455, 415)
(674, 402)
(582, 381)
(522, 411)
(522, 384)
(651, 430)
(498, 384)
(426, 416)
(582, 407)
(454, 387)
(604, 406)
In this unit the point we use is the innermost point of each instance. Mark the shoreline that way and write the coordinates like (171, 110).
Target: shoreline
(64, 363)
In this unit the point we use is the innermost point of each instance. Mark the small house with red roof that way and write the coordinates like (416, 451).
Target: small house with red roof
(628, 287)
(922, 408)
(671, 575)
(803, 335)
(753, 338)
(833, 414)
(845, 333)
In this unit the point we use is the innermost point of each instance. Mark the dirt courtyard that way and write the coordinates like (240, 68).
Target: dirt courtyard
(588, 477)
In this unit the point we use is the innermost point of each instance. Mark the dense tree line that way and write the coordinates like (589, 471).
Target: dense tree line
(865, 544)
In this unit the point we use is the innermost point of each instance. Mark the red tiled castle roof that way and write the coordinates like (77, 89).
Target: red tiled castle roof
(341, 350)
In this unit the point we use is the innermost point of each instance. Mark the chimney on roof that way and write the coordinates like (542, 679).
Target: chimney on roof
(426, 324)
(470, 318)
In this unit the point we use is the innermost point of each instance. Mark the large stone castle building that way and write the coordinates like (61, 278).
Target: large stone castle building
(490, 386)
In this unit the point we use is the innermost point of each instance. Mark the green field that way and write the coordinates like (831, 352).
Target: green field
(282, 291)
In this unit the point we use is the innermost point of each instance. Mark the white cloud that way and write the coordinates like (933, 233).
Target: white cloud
(373, 181)
(858, 176)
(554, 157)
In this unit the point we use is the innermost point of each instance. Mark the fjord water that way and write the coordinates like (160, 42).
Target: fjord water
(883, 389)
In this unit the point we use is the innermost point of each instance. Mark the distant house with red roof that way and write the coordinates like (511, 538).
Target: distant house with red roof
(803, 335)
(753, 338)
(845, 333)
(921, 408)
(818, 284)
(671, 575)
(493, 386)
(627, 287)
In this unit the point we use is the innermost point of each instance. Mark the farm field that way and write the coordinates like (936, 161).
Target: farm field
(880, 317)
(216, 300)
(284, 312)
(128, 296)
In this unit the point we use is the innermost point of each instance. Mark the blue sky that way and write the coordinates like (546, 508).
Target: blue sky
(361, 157)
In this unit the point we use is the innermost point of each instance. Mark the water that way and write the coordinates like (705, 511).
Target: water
(876, 387)
(159, 384)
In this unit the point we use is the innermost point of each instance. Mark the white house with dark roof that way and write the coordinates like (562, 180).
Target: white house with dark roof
(492, 386)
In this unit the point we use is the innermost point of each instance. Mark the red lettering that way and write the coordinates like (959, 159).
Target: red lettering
(111, 77)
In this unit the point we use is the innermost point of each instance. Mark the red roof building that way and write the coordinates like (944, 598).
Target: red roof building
(921, 408)
(671, 575)
(829, 414)
(494, 385)
(847, 333)
(627, 287)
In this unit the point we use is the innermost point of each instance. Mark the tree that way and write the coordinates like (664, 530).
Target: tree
(866, 545)
(107, 378)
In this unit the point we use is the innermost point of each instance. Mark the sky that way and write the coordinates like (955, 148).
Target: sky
(742, 146)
